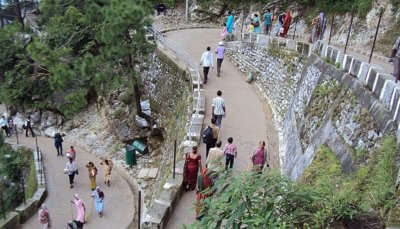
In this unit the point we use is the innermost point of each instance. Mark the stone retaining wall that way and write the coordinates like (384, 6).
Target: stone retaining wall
(289, 87)
(23, 212)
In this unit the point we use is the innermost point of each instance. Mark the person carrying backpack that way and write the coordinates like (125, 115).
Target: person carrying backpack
(58, 140)
(210, 136)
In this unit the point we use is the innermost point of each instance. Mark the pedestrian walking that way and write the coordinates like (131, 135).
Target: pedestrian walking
(71, 169)
(218, 108)
(395, 58)
(230, 152)
(286, 23)
(316, 29)
(207, 61)
(224, 32)
(28, 127)
(267, 22)
(229, 25)
(71, 153)
(258, 157)
(215, 158)
(10, 126)
(279, 24)
(98, 196)
(80, 211)
(220, 51)
(256, 23)
(4, 125)
(44, 217)
(107, 166)
(191, 169)
(92, 175)
(210, 136)
(58, 140)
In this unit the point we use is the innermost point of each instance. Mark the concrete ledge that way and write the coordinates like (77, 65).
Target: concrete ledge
(27, 210)
(355, 67)
(387, 93)
(363, 73)
(11, 221)
(380, 83)
(347, 63)
(371, 78)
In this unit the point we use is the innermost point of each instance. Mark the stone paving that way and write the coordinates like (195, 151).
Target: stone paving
(248, 120)
(119, 206)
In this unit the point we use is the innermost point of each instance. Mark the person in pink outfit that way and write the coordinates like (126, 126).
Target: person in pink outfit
(80, 211)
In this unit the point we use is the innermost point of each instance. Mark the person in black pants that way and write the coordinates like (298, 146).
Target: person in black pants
(230, 152)
(58, 143)
(28, 126)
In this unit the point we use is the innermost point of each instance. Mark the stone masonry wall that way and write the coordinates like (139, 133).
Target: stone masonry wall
(319, 96)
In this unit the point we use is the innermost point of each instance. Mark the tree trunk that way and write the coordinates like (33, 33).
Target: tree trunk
(18, 13)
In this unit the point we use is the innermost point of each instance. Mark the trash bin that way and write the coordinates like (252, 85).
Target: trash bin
(130, 155)
(140, 147)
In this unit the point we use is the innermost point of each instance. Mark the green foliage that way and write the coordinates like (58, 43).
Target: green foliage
(324, 198)
(13, 166)
(86, 49)
(31, 181)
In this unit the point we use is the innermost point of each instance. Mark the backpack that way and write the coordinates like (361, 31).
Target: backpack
(207, 135)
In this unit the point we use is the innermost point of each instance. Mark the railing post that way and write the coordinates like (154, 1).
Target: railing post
(330, 32)
(139, 208)
(348, 34)
(173, 174)
(376, 35)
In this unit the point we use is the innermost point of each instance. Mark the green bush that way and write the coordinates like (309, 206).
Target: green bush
(324, 198)
(15, 165)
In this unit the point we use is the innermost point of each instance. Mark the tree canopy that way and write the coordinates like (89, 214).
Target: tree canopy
(84, 49)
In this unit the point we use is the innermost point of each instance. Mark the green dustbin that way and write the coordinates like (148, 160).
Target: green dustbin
(140, 147)
(130, 155)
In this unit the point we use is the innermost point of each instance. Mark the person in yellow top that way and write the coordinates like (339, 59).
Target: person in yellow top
(92, 175)
(107, 166)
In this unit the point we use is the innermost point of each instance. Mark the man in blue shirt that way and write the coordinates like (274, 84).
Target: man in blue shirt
(229, 25)
(267, 22)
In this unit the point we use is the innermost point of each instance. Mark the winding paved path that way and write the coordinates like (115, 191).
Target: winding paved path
(119, 206)
(248, 119)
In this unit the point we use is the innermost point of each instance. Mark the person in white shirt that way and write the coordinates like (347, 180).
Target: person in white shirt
(71, 170)
(4, 125)
(207, 60)
(218, 108)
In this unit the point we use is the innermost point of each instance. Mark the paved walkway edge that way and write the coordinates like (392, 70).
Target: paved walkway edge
(25, 211)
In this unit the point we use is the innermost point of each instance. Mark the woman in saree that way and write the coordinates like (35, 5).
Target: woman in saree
(191, 168)
(204, 184)
(286, 23)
